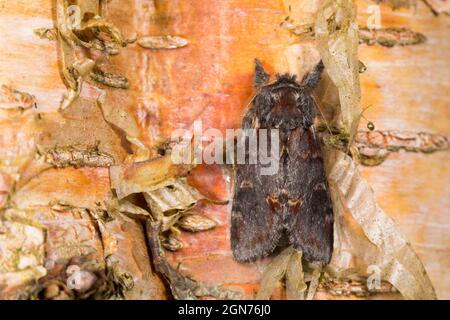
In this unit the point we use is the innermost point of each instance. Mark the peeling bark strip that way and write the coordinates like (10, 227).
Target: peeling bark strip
(67, 156)
(96, 33)
(375, 146)
(389, 37)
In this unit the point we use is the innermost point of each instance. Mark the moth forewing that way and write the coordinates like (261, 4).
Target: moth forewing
(291, 206)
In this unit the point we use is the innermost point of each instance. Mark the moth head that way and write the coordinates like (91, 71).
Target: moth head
(283, 104)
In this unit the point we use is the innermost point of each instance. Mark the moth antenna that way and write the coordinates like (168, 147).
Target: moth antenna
(364, 110)
(370, 124)
(361, 114)
(261, 76)
(311, 79)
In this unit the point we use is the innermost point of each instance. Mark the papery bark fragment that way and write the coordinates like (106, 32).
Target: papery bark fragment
(337, 34)
(395, 257)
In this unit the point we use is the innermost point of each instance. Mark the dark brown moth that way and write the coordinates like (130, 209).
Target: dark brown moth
(293, 206)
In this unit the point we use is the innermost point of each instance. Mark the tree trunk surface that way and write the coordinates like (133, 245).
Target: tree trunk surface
(210, 79)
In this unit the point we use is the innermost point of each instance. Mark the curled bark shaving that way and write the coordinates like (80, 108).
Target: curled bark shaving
(287, 265)
(74, 76)
(96, 33)
(67, 42)
(196, 223)
(126, 207)
(384, 247)
(170, 205)
(98, 28)
(162, 42)
(73, 156)
(167, 193)
(389, 37)
(83, 33)
(391, 254)
(46, 33)
(337, 34)
(109, 79)
(175, 195)
(145, 176)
